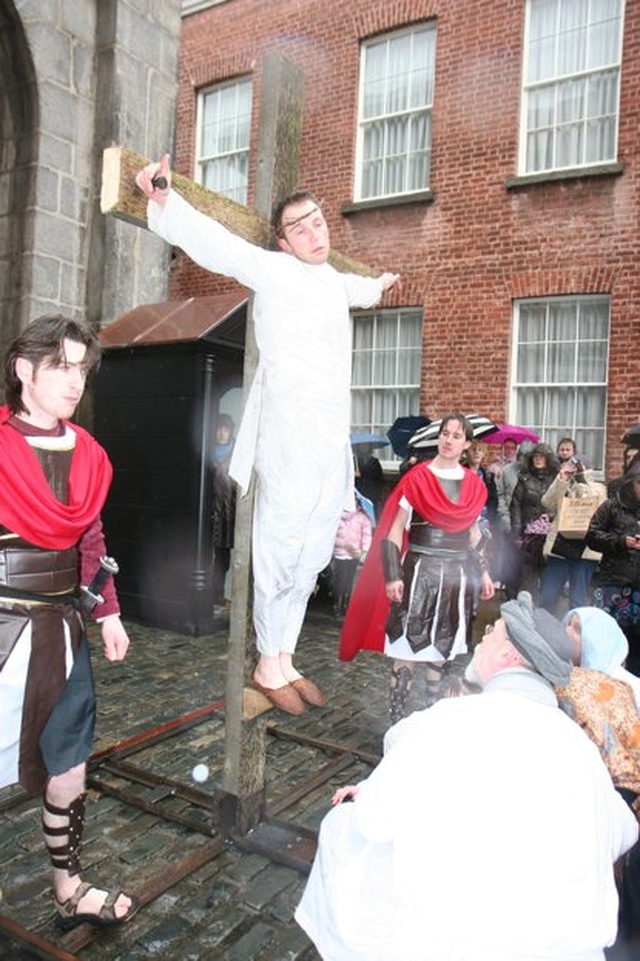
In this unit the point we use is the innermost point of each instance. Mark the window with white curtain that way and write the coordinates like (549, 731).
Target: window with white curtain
(395, 103)
(573, 51)
(559, 375)
(386, 364)
(222, 137)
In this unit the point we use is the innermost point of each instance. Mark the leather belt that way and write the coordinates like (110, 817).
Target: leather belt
(38, 571)
(14, 596)
(427, 538)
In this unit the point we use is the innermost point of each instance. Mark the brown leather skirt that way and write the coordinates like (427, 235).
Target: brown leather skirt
(58, 716)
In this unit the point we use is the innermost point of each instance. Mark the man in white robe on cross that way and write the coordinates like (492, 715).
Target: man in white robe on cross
(295, 428)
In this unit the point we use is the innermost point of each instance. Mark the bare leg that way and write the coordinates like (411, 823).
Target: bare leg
(287, 668)
(269, 671)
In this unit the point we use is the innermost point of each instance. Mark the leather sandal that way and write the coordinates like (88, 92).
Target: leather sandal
(309, 691)
(284, 698)
(69, 917)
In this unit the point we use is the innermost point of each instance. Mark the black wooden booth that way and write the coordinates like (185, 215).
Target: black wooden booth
(166, 372)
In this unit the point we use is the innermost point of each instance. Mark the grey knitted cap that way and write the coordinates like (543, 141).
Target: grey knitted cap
(539, 637)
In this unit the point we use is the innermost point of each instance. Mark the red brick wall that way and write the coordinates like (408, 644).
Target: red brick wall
(478, 245)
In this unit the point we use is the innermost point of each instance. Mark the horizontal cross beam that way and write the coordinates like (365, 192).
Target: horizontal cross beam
(121, 198)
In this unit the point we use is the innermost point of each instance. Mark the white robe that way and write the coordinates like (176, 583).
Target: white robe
(488, 832)
(295, 428)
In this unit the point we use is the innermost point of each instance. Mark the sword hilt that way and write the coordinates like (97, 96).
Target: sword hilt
(92, 595)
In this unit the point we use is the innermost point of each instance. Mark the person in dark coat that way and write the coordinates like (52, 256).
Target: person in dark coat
(614, 531)
(529, 523)
(473, 460)
(369, 475)
(488, 519)
(630, 456)
(224, 507)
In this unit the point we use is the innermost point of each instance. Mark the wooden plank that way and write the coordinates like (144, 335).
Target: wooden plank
(254, 703)
(160, 733)
(121, 198)
(42, 947)
(338, 747)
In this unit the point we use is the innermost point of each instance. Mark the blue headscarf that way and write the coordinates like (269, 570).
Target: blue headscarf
(604, 646)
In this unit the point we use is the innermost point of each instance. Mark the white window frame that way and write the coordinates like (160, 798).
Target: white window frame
(404, 148)
(564, 335)
(194, 6)
(380, 388)
(566, 81)
(218, 168)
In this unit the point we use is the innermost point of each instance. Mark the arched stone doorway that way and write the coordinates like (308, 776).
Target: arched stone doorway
(70, 73)
(18, 121)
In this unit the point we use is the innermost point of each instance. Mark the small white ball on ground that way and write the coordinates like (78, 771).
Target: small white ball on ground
(200, 773)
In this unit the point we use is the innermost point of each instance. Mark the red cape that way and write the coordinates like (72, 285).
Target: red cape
(28, 506)
(364, 623)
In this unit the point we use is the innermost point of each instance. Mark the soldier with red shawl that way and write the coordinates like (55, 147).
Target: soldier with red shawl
(413, 600)
(54, 478)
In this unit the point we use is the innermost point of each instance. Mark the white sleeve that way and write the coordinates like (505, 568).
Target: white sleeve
(208, 243)
(362, 291)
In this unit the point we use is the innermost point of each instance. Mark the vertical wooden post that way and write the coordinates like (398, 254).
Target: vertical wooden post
(276, 176)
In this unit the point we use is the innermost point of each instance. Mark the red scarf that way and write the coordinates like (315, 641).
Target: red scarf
(366, 617)
(28, 506)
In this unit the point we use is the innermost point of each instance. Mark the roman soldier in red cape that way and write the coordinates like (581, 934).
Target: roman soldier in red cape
(413, 599)
(54, 479)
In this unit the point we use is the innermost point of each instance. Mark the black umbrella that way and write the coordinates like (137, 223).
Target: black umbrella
(427, 437)
(631, 437)
(402, 429)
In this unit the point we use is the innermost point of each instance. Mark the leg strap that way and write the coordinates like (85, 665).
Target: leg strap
(401, 679)
(66, 856)
(433, 683)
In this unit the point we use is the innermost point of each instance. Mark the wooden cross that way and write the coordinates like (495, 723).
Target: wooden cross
(278, 155)
(121, 198)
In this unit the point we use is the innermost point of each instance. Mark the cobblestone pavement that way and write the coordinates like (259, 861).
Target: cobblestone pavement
(238, 905)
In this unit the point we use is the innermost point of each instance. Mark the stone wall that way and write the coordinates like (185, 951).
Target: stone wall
(79, 75)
